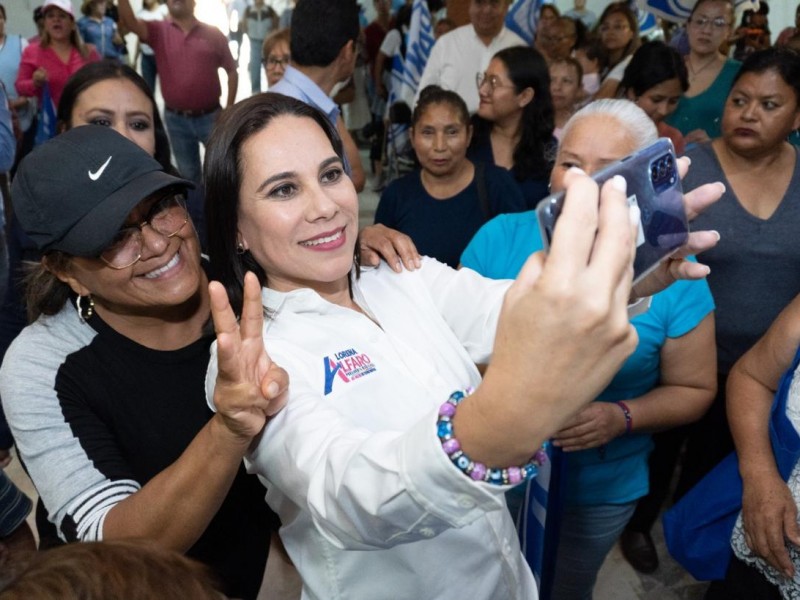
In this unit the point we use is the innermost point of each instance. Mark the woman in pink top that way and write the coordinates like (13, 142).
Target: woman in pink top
(59, 53)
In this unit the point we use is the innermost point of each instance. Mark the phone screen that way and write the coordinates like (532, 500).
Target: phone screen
(655, 187)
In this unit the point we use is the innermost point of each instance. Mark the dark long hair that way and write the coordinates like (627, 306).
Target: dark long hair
(624, 9)
(535, 149)
(224, 170)
(784, 61)
(433, 94)
(93, 73)
(653, 63)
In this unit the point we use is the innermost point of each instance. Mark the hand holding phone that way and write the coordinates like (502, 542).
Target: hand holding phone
(655, 187)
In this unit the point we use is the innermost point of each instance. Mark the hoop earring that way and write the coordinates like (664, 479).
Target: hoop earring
(85, 312)
(240, 248)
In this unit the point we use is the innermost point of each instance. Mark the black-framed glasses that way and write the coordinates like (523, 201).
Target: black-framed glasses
(271, 62)
(493, 81)
(701, 22)
(166, 217)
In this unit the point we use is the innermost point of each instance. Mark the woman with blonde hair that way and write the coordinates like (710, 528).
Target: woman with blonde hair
(275, 55)
(59, 53)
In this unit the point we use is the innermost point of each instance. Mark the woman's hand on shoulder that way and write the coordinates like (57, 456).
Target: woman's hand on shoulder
(769, 516)
(397, 249)
(250, 388)
(676, 266)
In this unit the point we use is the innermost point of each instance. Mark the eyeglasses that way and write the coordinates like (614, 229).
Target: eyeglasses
(166, 217)
(274, 61)
(701, 22)
(618, 27)
(491, 80)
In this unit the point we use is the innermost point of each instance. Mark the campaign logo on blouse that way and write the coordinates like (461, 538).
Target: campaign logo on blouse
(347, 365)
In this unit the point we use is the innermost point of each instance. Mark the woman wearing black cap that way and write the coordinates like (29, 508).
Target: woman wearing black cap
(104, 391)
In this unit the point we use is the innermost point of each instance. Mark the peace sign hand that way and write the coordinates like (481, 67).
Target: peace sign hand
(250, 388)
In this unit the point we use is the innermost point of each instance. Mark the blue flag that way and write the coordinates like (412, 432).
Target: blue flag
(523, 16)
(406, 73)
(539, 521)
(419, 42)
(46, 128)
(647, 20)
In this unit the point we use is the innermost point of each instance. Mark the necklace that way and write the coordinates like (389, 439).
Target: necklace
(693, 73)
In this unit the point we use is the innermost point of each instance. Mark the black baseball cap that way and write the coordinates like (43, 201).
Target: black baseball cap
(75, 191)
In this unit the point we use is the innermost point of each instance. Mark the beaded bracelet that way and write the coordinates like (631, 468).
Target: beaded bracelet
(628, 417)
(476, 470)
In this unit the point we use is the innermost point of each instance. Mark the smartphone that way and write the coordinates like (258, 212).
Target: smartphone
(655, 187)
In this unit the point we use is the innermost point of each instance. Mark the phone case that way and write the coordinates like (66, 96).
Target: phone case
(654, 185)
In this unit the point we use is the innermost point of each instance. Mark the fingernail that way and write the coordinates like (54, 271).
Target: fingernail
(273, 389)
(618, 183)
(716, 233)
(635, 215)
(398, 266)
(723, 186)
(688, 159)
(576, 170)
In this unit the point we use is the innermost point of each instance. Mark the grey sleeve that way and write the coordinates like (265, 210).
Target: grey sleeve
(77, 496)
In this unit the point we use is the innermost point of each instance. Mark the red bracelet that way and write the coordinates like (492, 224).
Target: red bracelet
(628, 417)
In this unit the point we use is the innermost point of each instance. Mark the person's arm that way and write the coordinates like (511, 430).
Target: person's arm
(233, 85)
(353, 155)
(29, 76)
(8, 143)
(175, 506)
(128, 20)
(686, 389)
(608, 89)
(378, 242)
(82, 496)
(137, 53)
(570, 307)
(243, 22)
(385, 238)
(769, 512)
(377, 75)
(370, 489)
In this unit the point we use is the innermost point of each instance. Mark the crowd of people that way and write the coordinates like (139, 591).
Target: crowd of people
(220, 384)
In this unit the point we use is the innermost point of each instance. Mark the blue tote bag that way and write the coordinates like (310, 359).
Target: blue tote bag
(698, 528)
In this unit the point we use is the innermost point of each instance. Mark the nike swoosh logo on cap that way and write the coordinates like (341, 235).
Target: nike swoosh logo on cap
(96, 175)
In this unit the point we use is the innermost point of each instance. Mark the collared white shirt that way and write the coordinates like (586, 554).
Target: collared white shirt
(371, 506)
(458, 56)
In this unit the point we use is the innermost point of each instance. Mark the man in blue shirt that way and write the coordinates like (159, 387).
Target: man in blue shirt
(324, 47)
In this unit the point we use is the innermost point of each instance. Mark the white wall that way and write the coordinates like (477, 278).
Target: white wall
(19, 16)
